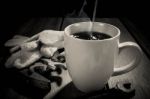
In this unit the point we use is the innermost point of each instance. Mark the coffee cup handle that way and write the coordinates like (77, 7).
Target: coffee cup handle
(133, 63)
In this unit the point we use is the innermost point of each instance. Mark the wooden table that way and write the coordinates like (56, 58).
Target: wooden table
(139, 76)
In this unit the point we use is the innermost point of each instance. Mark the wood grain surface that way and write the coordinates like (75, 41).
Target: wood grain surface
(139, 76)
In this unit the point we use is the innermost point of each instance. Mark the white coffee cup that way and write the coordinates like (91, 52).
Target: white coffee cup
(91, 62)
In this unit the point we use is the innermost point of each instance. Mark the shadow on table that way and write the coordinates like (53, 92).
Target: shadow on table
(71, 92)
(15, 85)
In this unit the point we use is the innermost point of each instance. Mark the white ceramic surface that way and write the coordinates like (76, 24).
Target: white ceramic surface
(91, 62)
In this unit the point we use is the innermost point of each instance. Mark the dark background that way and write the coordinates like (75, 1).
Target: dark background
(14, 14)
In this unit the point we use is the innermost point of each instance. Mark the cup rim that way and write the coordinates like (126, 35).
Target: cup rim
(68, 35)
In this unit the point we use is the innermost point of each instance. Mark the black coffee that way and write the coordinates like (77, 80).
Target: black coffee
(91, 35)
